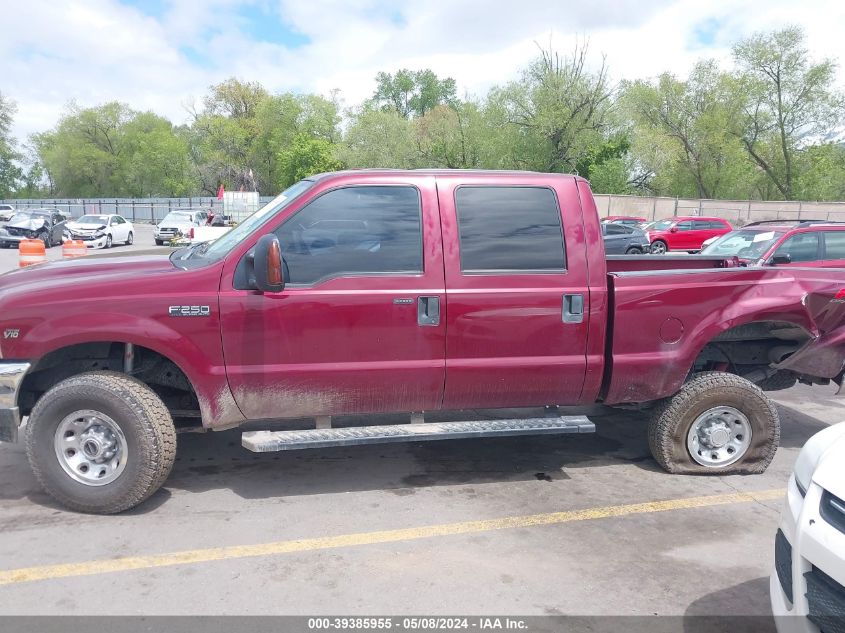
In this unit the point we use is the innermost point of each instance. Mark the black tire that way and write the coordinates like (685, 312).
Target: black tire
(659, 247)
(108, 241)
(130, 238)
(634, 250)
(784, 379)
(159, 243)
(45, 237)
(144, 421)
(672, 419)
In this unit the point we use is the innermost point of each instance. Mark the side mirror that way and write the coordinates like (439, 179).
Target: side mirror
(781, 259)
(266, 274)
(674, 229)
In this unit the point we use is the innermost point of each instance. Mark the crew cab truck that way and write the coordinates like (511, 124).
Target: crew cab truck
(375, 291)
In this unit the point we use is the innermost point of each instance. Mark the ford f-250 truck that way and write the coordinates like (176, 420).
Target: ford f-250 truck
(374, 291)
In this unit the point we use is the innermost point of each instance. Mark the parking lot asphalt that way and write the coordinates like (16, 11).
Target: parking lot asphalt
(585, 525)
(143, 240)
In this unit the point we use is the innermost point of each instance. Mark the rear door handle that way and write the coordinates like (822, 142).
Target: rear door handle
(573, 308)
(428, 311)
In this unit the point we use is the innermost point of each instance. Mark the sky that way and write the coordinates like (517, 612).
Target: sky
(162, 55)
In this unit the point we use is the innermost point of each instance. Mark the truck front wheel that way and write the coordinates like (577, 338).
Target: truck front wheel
(100, 442)
(718, 423)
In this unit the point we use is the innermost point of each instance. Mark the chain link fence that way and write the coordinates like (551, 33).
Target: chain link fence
(738, 212)
(149, 210)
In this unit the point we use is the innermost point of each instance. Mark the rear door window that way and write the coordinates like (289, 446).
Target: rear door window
(619, 229)
(510, 229)
(834, 244)
(801, 247)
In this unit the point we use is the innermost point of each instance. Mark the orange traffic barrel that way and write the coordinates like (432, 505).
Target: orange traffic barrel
(74, 248)
(31, 252)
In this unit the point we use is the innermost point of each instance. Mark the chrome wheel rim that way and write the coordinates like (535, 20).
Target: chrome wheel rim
(90, 447)
(719, 437)
(658, 248)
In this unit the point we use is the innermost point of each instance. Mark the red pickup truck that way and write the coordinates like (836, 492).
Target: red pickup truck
(374, 291)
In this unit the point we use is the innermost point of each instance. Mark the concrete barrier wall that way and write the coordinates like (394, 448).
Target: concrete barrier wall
(738, 212)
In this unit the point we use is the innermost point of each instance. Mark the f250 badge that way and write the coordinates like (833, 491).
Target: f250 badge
(189, 311)
(11, 333)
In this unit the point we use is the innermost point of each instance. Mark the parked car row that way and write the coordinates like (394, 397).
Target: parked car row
(683, 233)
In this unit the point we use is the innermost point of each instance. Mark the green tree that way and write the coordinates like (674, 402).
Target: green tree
(821, 173)
(790, 100)
(448, 136)
(10, 171)
(682, 132)
(413, 93)
(112, 150)
(305, 157)
(555, 113)
(379, 138)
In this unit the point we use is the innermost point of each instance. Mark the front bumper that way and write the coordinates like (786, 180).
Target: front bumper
(12, 240)
(11, 377)
(816, 549)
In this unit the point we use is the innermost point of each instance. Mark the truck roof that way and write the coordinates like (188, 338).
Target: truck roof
(492, 173)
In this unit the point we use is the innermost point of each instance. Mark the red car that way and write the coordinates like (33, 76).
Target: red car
(684, 233)
(804, 243)
(627, 220)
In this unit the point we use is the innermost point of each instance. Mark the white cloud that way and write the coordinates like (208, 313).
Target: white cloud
(94, 51)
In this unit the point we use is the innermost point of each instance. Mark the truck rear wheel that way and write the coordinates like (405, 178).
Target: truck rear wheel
(718, 423)
(100, 442)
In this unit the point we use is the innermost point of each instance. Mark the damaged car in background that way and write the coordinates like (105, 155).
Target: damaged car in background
(36, 224)
(101, 231)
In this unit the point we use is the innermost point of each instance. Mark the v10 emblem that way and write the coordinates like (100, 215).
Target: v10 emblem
(11, 333)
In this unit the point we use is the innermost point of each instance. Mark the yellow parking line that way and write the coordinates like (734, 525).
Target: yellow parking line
(191, 557)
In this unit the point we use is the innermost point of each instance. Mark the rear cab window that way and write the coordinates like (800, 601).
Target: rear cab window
(509, 229)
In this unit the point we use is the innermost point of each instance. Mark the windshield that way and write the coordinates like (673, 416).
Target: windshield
(661, 225)
(220, 247)
(25, 217)
(746, 244)
(93, 219)
(177, 217)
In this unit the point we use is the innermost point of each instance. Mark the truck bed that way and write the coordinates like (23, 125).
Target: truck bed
(631, 263)
(661, 320)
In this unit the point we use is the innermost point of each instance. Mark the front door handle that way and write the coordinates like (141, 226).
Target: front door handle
(573, 308)
(428, 311)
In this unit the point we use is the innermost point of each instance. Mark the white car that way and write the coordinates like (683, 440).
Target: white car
(807, 585)
(708, 242)
(101, 231)
(6, 212)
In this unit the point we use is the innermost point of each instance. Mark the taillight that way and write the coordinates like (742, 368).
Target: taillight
(840, 296)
